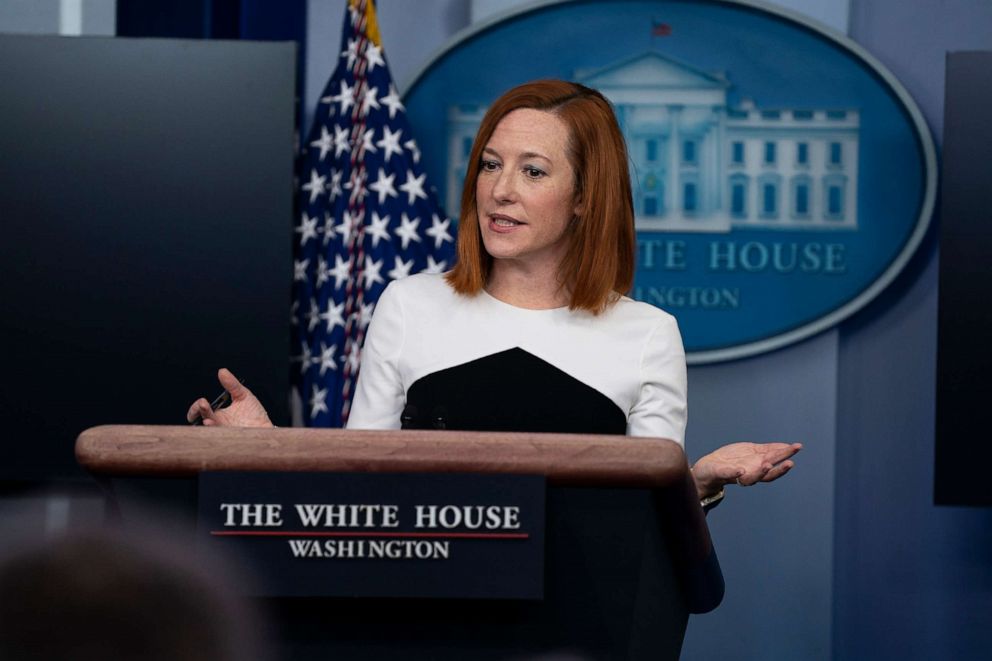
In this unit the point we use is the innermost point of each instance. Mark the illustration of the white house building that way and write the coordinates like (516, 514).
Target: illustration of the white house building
(699, 165)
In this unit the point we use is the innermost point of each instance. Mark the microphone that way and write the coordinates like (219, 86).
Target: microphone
(408, 418)
(439, 419)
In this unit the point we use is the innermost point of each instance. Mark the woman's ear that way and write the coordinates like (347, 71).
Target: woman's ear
(580, 208)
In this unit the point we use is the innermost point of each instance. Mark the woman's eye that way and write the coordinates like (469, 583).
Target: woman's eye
(534, 173)
(490, 166)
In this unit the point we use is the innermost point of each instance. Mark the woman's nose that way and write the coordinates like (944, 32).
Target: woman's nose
(503, 188)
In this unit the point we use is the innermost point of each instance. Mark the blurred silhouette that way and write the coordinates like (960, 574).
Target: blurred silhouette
(106, 594)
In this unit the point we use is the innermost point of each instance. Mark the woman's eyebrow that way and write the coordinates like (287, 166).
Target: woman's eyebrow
(526, 154)
(534, 154)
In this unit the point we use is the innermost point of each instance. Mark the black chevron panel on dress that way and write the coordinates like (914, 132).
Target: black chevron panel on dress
(510, 391)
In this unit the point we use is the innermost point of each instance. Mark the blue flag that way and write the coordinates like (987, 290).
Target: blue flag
(367, 215)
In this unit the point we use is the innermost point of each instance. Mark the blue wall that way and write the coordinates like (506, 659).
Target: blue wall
(912, 581)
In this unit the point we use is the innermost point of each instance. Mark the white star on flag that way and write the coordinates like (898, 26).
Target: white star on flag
(334, 316)
(305, 358)
(325, 142)
(307, 229)
(315, 186)
(376, 229)
(326, 358)
(328, 229)
(357, 187)
(345, 227)
(439, 230)
(407, 231)
(341, 143)
(313, 316)
(373, 55)
(341, 271)
(435, 267)
(401, 269)
(371, 272)
(351, 52)
(392, 101)
(300, 269)
(354, 357)
(369, 101)
(365, 317)
(413, 187)
(318, 402)
(384, 186)
(390, 143)
(411, 144)
(368, 147)
(346, 97)
(334, 187)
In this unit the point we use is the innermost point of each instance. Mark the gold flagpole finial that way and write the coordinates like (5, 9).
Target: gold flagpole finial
(371, 24)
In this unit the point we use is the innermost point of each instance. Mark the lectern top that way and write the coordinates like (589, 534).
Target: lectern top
(565, 459)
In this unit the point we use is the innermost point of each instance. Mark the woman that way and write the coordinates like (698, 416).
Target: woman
(531, 331)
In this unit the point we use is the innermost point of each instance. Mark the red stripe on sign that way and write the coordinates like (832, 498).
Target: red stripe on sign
(420, 535)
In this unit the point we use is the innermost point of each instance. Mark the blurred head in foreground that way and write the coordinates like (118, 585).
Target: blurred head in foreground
(105, 595)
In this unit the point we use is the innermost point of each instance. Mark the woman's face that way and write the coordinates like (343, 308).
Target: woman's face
(525, 194)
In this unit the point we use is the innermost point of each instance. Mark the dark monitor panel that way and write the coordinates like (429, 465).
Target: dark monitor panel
(145, 233)
(964, 354)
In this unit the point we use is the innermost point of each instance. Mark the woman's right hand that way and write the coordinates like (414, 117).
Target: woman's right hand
(245, 409)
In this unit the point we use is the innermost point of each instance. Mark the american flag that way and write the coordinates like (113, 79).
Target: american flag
(367, 215)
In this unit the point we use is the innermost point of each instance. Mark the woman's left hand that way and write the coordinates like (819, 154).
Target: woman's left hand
(743, 463)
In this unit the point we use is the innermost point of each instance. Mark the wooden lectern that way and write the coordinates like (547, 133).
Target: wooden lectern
(627, 553)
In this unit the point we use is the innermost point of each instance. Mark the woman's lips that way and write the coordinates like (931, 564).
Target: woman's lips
(500, 223)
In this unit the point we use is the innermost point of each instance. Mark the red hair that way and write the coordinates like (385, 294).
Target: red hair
(598, 264)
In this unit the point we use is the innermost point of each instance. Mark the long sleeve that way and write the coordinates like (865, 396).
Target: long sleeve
(379, 394)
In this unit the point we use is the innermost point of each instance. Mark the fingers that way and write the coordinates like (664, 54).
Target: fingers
(778, 471)
(745, 479)
(200, 409)
(767, 473)
(779, 452)
(231, 384)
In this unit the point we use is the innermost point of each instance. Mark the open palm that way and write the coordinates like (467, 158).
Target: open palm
(743, 463)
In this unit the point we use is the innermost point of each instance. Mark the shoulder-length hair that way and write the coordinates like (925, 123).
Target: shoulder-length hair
(598, 265)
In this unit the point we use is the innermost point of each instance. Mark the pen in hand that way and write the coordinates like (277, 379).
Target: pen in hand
(220, 401)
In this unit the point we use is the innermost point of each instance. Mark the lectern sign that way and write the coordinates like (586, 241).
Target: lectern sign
(375, 535)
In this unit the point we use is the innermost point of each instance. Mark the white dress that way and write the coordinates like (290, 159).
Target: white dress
(434, 358)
